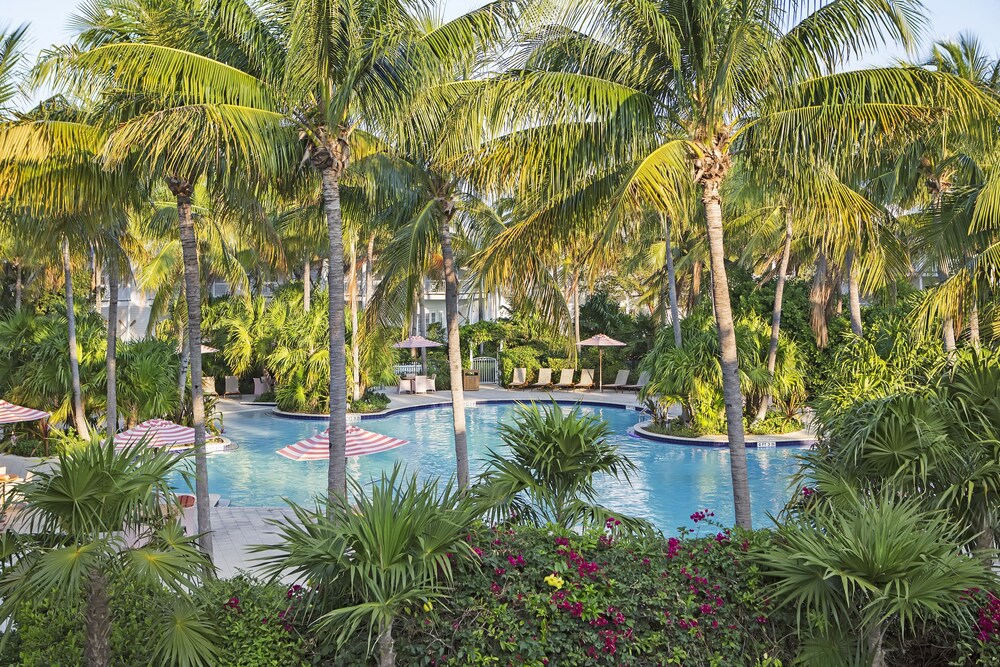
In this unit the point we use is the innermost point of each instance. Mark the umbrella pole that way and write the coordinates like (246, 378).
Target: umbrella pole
(600, 370)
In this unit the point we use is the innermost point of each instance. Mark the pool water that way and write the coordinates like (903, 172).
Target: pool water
(671, 481)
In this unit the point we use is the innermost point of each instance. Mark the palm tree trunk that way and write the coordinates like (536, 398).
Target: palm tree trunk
(454, 351)
(386, 647)
(974, 325)
(337, 472)
(182, 372)
(779, 291)
(948, 325)
(819, 294)
(370, 270)
(182, 190)
(675, 316)
(576, 310)
(352, 282)
(18, 285)
(112, 354)
(728, 356)
(97, 618)
(853, 294)
(696, 267)
(422, 320)
(875, 649)
(79, 419)
(307, 284)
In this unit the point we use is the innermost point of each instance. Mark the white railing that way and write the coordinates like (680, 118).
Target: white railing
(407, 369)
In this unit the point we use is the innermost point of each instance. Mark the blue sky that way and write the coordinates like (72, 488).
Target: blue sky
(48, 19)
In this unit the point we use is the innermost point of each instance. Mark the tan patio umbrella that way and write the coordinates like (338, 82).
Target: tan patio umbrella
(416, 343)
(600, 341)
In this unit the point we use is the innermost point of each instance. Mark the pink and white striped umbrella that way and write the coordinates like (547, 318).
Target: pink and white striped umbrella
(359, 443)
(157, 433)
(12, 414)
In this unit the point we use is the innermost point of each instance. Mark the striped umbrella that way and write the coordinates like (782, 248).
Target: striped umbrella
(359, 443)
(157, 433)
(12, 414)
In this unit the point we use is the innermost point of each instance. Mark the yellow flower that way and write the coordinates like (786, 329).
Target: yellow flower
(555, 581)
(428, 606)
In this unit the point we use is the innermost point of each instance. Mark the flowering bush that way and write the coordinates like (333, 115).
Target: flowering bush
(540, 597)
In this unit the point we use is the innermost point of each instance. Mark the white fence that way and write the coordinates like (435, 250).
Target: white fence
(489, 371)
(407, 369)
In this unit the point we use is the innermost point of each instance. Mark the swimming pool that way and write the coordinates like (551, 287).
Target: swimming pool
(671, 482)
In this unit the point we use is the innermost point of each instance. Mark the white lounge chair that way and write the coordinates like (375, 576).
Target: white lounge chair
(258, 387)
(565, 379)
(621, 380)
(519, 380)
(544, 379)
(586, 379)
(643, 381)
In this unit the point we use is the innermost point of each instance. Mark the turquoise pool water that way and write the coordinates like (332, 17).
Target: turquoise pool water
(671, 482)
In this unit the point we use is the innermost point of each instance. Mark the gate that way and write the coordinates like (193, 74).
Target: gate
(488, 369)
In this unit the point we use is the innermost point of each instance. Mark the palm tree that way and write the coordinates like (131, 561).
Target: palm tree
(95, 519)
(626, 102)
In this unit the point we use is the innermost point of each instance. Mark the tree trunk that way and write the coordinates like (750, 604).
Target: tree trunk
(728, 356)
(337, 472)
(182, 190)
(370, 270)
(675, 316)
(79, 419)
(948, 325)
(819, 294)
(185, 353)
(853, 294)
(695, 284)
(422, 320)
(352, 283)
(974, 325)
(454, 350)
(779, 291)
(18, 286)
(875, 650)
(112, 354)
(386, 647)
(307, 284)
(575, 291)
(97, 619)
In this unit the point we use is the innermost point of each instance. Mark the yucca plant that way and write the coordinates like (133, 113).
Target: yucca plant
(104, 515)
(547, 473)
(388, 550)
(851, 570)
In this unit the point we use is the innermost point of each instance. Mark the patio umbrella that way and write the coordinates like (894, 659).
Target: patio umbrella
(12, 414)
(208, 349)
(157, 433)
(600, 341)
(415, 343)
(359, 443)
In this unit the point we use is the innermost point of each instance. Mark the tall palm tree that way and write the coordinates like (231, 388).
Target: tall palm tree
(626, 101)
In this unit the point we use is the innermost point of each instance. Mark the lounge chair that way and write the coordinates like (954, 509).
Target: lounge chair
(544, 379)
(208, 385)
(232, 386)
(420, 384)
(643, 381)
(621, 380)
(258, 387)
(520, 379)
(586, 379)
(565, 379)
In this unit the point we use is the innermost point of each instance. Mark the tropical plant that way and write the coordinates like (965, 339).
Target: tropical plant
(547, 472)
(392, 551)
(98, 517)
(854, 569)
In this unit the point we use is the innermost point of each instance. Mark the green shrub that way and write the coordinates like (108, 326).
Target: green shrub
(522, 356)
(370, 401)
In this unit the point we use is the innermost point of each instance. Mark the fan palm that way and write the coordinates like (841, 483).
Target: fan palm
(96, 518)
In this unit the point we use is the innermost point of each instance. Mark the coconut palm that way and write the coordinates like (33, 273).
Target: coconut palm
(98, 518)
(624, 101)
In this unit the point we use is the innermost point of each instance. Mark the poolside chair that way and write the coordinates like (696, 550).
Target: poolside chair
(565, 379)
(420, 384)
(519, 381)
(232, 386)
(544, 379)
(586, 379)
(432, 383)
(620, 380)
(405, 384)
(189, 513)
(258, 387)
(208, 385)
(643, 381)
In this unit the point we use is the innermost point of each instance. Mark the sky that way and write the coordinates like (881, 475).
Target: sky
(48, 21)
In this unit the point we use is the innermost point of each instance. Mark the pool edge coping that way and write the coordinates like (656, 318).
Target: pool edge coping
(716, 442)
